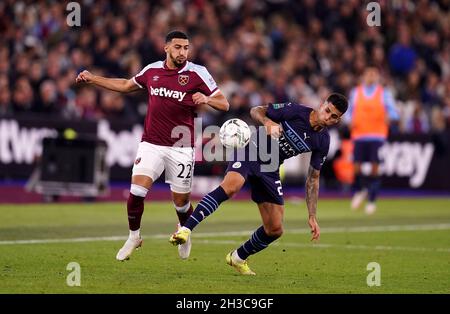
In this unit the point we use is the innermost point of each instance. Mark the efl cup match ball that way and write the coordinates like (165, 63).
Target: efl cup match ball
(234, 133)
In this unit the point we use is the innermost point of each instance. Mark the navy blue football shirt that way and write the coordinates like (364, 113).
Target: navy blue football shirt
(298, 136)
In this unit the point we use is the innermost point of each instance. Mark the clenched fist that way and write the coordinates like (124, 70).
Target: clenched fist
(200, 99)
(273, 129)
(85, 77)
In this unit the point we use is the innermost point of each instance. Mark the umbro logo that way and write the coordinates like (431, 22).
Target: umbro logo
(155, 78)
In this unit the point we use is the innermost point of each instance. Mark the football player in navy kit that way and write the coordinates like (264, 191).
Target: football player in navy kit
(298, 129)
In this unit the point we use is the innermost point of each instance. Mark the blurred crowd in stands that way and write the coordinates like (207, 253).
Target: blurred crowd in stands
(258, 52)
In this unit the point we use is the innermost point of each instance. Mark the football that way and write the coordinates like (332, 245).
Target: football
(234, 133)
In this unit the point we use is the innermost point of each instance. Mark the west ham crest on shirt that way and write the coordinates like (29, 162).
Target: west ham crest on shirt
(183, 79)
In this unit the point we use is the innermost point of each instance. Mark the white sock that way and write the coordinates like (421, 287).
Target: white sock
(136, 234)
(236, 257)
(138, 190)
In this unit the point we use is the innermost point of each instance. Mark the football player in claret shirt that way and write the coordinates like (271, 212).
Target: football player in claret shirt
(298, 129)
(176, 87)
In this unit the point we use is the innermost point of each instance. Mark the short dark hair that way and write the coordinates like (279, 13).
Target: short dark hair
(176, 34)
(339, 101)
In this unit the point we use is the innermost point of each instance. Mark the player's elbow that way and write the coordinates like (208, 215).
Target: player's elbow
(129, 86)
(254, 112)
(226, 106)
(219, 102)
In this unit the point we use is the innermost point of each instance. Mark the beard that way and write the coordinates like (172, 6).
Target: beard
(177, 62)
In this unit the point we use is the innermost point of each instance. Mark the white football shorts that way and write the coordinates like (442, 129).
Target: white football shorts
(177, 162)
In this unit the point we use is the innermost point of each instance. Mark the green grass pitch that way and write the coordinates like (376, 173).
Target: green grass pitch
(408, 238)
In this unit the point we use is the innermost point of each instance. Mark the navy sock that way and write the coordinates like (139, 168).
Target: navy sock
(374, 187)
(357, 185)
(257, 242)
(209, 203)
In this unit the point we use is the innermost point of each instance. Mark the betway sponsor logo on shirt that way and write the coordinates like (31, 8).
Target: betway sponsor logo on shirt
(165, 92)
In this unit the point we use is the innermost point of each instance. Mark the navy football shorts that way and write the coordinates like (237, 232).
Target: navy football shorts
(265, 186)
(366, 150)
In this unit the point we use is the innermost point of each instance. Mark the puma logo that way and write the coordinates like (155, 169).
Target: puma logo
(305, 136)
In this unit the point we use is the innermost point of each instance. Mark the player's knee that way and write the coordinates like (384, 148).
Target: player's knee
(231, 187)
(138, 190)
(232, 183)
(275, 231)
(231, 190)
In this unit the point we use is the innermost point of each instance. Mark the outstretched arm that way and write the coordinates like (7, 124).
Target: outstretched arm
(312, 195)
(259, 115)
(114, 84)
(217, 100)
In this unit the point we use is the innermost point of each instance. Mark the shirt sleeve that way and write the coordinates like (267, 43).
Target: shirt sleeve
(319, 155)
(208, 85)
(140, 79)
(281, 112)
(390, 105)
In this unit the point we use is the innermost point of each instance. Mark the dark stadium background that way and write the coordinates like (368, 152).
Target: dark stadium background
(258, 52)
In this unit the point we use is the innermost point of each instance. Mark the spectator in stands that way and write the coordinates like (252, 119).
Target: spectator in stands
(417, 123)
(326, 43)
(5, 102)
(23, 98)
(402, 56)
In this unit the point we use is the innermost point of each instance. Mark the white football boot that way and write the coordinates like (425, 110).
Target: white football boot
(358, 199)
(184, 250)
(127, 249)
(370, 208)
